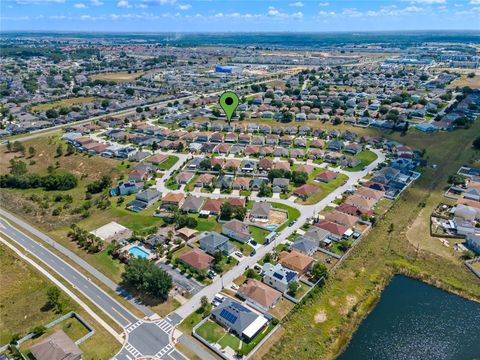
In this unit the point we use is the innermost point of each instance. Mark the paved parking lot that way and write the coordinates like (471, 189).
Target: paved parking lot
(186, 283)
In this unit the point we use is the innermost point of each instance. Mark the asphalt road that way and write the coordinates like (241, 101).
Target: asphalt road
(143, 338)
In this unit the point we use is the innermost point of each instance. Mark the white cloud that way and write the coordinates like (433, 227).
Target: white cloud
(428, 2)
(474, 2)
(123, 4)
(272, 11)
(351, 12)
(39, 2)
(185, 7)
(80, 6)
(326, 13)
(96, 2)
(296, 4)
(165, 2)
(323, 4)
(297, 15)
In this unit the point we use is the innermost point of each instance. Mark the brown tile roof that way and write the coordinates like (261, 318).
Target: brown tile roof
(295, 260)
(360, 202)
(305, 190)
(236, 201)
(326, 176)
(173, 197)
(370, 193)
(213, 205)
(197, 259)
(259, 293)
(341, 218)
(332, 227)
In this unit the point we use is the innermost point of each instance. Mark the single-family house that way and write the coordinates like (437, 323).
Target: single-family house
(237, 230)
(259, 295)
(213, 242)
(192, 204)
(278, 276)
(197, 259)
(296, 261)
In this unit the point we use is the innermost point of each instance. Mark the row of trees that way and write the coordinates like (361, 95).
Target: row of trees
(86, 240)
(29, 181)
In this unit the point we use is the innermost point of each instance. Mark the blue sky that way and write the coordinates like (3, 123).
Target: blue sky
(238, 15)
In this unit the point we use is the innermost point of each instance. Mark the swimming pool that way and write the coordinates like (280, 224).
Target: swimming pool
(138, 252)
(271, 227)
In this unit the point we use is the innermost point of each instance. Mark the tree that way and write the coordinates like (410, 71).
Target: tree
(265, 191)
(268, 258)
(206, 307)
(146, 278)
(293, 288)
(18, 167)
(105, 103)
(59, 150)
(70, 149)
(251, 274)
(31, 151)
(130, 92)
(476, 143)
(51, 113)
(54, 297)
(319, 270)
(38, 330)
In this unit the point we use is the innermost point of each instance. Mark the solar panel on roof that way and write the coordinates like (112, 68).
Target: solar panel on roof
(239, 307)
(290, 275)
(278, 276)
(227, 315)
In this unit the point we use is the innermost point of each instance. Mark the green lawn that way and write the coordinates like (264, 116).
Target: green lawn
(231, 341)
(168, 163)
(323, 190)
(258, 234)
(187, 325)
(366, 157)
(211, 331)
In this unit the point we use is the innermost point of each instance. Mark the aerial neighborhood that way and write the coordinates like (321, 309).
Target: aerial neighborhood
(146, 222)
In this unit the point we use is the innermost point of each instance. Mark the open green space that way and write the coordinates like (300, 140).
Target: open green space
(24, 305)
(323, 190)
(168, 163)
(65, 103)
(366, 157)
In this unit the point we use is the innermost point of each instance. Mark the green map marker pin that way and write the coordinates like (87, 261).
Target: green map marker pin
(229, 102)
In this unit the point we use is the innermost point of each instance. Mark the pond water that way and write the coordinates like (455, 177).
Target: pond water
(413, 321)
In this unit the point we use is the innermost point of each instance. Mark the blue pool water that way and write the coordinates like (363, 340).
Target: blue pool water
(271, 227)
(136, 251)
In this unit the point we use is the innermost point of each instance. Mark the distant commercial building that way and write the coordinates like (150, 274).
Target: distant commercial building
(228, 69)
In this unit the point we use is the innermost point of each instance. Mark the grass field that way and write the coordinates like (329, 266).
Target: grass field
(323, 190)
(23, 305)
(258, 234)
(473, 83)
(366, 157)
(65, 103)
(355, 286)
(168, 163)
(39, 210)
(119, 76)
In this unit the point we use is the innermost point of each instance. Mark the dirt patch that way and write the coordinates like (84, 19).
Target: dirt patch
(320, 317)
(351, 300)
